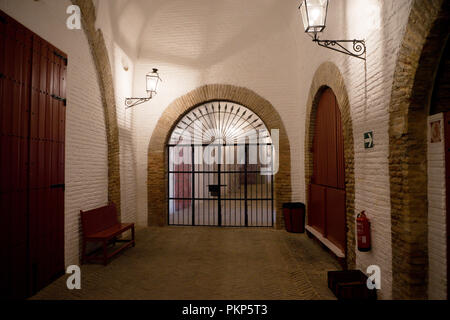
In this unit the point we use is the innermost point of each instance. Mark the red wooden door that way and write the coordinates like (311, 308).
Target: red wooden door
(46, 173)
(15, 78)
(32, 126)
(327, 191)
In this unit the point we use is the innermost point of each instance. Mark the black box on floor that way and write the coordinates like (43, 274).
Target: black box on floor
(350, 285)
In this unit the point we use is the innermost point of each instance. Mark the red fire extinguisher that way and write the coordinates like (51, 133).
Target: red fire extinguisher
(363, 231)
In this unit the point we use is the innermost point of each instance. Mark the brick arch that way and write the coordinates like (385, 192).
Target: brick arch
(418, 59)
(105, 80)
(329, 76)
(157, 157)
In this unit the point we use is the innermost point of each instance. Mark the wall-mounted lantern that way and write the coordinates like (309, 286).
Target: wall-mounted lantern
(152, 81)
(314, 15)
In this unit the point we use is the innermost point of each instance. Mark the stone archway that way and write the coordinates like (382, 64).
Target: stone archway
(105, 81)
(329, 76)
(157, 157)
(418, 59)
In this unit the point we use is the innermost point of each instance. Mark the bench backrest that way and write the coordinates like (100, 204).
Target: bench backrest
(99, 219)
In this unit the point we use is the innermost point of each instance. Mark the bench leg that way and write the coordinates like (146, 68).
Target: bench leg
(132, 235)
(105, 253)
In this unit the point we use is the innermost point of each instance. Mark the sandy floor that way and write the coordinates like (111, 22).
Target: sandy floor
(207, 263)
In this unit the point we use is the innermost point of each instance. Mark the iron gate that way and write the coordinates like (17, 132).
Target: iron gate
(223, 192)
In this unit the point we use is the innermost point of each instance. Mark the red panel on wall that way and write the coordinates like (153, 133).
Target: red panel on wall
(320, 145)
(5, 163)
(328, 144)
(335, 204)
(340, 156)
(316, 217)
(331, 139)
(327, 204)
(7, 100)
(5, 250)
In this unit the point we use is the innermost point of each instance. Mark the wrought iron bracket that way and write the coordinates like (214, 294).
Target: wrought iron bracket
(357, 50)
(132, 102)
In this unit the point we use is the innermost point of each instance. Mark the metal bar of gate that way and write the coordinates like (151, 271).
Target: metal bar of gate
(168, 185)
(246, 186)
(271, 182)
(193, 185)
(219, 205)
(257, 195)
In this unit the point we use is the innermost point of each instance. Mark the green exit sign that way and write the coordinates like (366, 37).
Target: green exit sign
(368, 140)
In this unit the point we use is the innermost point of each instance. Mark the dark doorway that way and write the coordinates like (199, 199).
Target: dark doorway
(326, 212)
(32, 132)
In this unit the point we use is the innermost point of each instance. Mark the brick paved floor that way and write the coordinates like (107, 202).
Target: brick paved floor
(207, 263)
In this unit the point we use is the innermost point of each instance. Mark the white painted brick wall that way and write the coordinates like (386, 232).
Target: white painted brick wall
(86, 149)
(437, 243)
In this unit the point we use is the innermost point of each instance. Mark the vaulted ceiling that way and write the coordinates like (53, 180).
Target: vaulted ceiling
(195, 31)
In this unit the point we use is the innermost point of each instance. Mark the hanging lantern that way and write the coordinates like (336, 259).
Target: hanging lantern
(314, 15)
(153, 81)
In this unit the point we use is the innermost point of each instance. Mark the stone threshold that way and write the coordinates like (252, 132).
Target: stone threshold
(332, 247)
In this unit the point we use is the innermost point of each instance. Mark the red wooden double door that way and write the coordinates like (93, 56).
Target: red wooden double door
(326, 212)
(32, 136)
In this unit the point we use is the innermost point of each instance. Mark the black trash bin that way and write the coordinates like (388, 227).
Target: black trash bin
(294, 217)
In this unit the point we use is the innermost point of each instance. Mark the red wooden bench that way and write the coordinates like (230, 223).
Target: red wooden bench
(102, 225)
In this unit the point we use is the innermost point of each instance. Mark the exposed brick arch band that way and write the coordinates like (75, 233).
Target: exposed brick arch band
(157, 157)
(105, 80)
(418, 59)
(329, 76)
